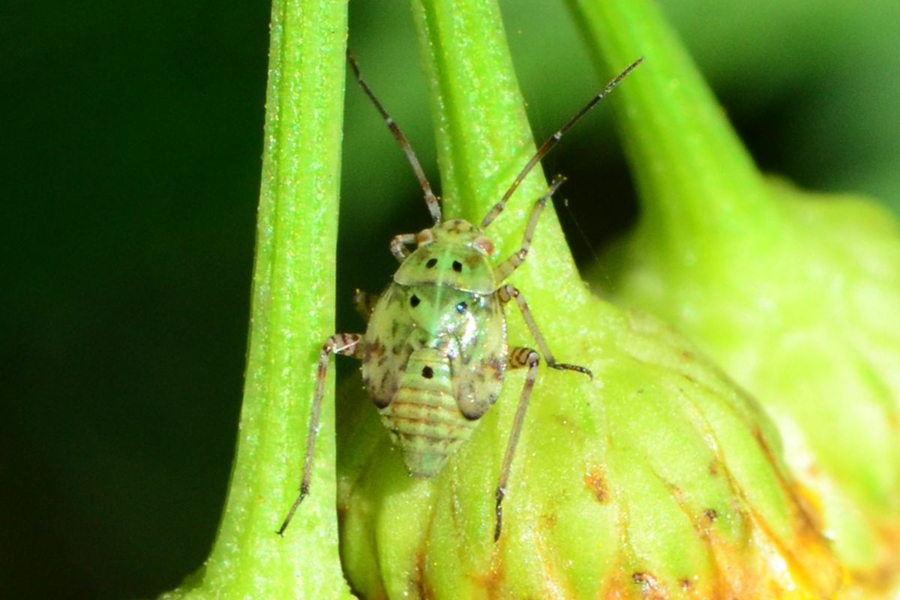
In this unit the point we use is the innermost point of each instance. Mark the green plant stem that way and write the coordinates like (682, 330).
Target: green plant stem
(713, 190)
(292, 313)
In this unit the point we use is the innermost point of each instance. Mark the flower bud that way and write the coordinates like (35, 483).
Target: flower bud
(657, 478)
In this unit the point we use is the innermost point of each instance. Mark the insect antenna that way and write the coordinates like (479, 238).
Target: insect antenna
(431, 200)
(552, 141)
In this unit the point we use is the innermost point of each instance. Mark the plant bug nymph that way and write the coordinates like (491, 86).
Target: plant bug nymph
(435, 350)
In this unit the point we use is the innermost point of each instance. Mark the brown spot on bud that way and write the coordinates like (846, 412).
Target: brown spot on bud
(595, 481)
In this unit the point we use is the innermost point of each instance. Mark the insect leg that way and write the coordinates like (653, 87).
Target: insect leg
(364, 302)
(518, 358)
(399, 245)
(347, 344)
(552, 141)
(431, 200)
(509, 292)
(506, 268)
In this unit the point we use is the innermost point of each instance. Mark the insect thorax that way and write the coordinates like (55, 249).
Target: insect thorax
(455, 254)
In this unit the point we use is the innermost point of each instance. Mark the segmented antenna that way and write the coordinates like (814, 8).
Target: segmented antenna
(552, 141)
(434, 206)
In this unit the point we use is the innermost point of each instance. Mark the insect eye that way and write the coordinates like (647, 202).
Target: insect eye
(414, 301)
(461, 308)
(457, 266)
(431, 262)
(427, 372)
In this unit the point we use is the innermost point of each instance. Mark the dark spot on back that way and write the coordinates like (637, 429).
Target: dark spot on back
(431, 262)
(414, 301)
(457, 266)
(427, 372)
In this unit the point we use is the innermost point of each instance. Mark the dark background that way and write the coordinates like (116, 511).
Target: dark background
(130, 142)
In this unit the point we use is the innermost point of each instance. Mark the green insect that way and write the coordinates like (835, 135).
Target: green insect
(435, 350)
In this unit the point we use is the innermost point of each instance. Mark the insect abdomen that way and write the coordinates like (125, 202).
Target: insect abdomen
(423, 417)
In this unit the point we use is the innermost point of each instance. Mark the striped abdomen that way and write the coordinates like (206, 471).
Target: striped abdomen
(423, 417)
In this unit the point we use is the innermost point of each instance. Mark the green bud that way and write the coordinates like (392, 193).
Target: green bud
(805, 325)
(658, 477)
(795, 295)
